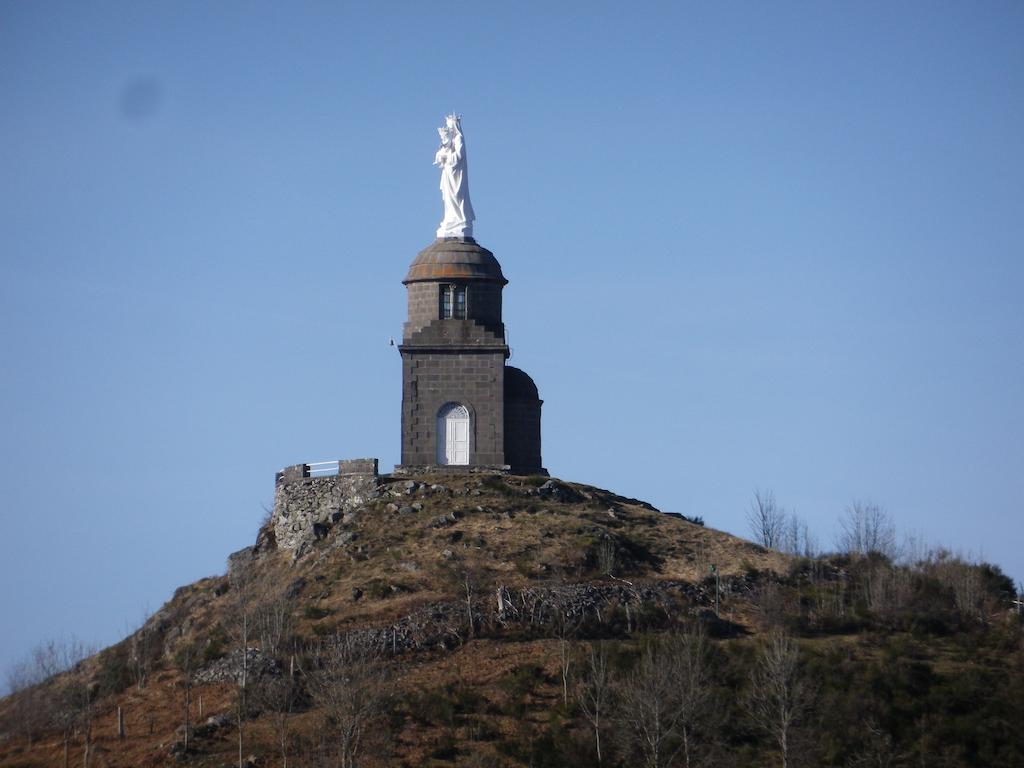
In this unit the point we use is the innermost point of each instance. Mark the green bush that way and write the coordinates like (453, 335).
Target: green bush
(445, 705)
(520, 683)
(380, 589)
(115, 672)
(445, 747)
(315, 612)
(215, 645)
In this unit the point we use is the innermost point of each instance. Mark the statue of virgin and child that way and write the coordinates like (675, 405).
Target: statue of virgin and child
(451, 157)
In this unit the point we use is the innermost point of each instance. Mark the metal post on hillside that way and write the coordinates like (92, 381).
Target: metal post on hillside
(718, 586)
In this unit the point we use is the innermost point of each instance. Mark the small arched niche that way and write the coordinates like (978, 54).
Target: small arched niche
(453, 435)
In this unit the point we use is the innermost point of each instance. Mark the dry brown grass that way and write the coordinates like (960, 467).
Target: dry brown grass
(503, 535)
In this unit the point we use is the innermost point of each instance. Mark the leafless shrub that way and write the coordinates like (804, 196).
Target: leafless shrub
(878, 751)
(595, 692)
(273, 623)
(914, 551)
(646, 716)
(38, 706)
(349, 683)
(471, 580)
(962, 577)
(865, 528)
(767, 520)
(797, 538)
(242, 600)
(20, 676)
(565, 625)
(607, 556)
(279, 695)
(72, 707)
(48, 658)
(778, 694)
(187, 659)
(690, 665)
(887, 588)
(771, 602)
(144, 647)
(662, 703)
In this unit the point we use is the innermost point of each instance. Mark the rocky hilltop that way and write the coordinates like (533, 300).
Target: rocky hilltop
(503, 620)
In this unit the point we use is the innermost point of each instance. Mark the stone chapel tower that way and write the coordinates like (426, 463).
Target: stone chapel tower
(462, 406)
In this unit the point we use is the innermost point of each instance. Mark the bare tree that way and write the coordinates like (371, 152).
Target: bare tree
(887, 588)
(241, 605)
(48, 658)
(767, 520)
(607, 556)
(962, 577)
(797, 538)
(662, 701)
(187, 659)
(143, 646)
(867, 528)
(647, 719)
(595, 692)
(39, 706)
(28, 713)
(273, 623)
(279, 695)
(72, 708)
(64, 717)
(469, 584)
(877, 751)
(565, 626)
(690, 667)
(349, 683)
(778, 695)
(468, 578)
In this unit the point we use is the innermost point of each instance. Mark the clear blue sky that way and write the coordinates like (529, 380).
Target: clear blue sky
(750, 245)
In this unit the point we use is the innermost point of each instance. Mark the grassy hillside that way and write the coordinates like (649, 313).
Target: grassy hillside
(487, 621)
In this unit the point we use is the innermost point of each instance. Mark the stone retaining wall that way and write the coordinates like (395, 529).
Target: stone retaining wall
(305, 507)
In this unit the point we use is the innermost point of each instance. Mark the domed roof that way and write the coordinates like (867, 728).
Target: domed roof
(451, 259)
(519, 386)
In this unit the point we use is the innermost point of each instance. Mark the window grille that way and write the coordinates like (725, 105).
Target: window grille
(453, 302)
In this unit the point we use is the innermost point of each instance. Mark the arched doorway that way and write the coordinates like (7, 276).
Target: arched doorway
(453, 434)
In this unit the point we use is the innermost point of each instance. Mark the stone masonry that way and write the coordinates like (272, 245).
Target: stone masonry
(460, 359)
(305, 507)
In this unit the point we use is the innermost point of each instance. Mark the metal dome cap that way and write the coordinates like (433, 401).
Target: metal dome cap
(454, 259)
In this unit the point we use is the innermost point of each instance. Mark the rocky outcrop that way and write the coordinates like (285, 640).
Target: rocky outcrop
(539, 610)
(232, 668)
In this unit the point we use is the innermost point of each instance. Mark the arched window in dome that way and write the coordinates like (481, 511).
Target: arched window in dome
(453, 434)
(453, 302)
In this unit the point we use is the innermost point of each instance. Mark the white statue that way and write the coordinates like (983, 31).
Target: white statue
(451, 157)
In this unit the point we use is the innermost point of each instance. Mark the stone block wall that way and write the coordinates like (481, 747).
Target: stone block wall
(483, 305)
(357, 467)
(305, 507)
(424, 306)
(473, 378)
(452, 360)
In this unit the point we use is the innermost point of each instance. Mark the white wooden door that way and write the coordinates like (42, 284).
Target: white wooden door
(453, 435)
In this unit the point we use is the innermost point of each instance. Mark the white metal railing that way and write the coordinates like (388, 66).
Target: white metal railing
(324, 468)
